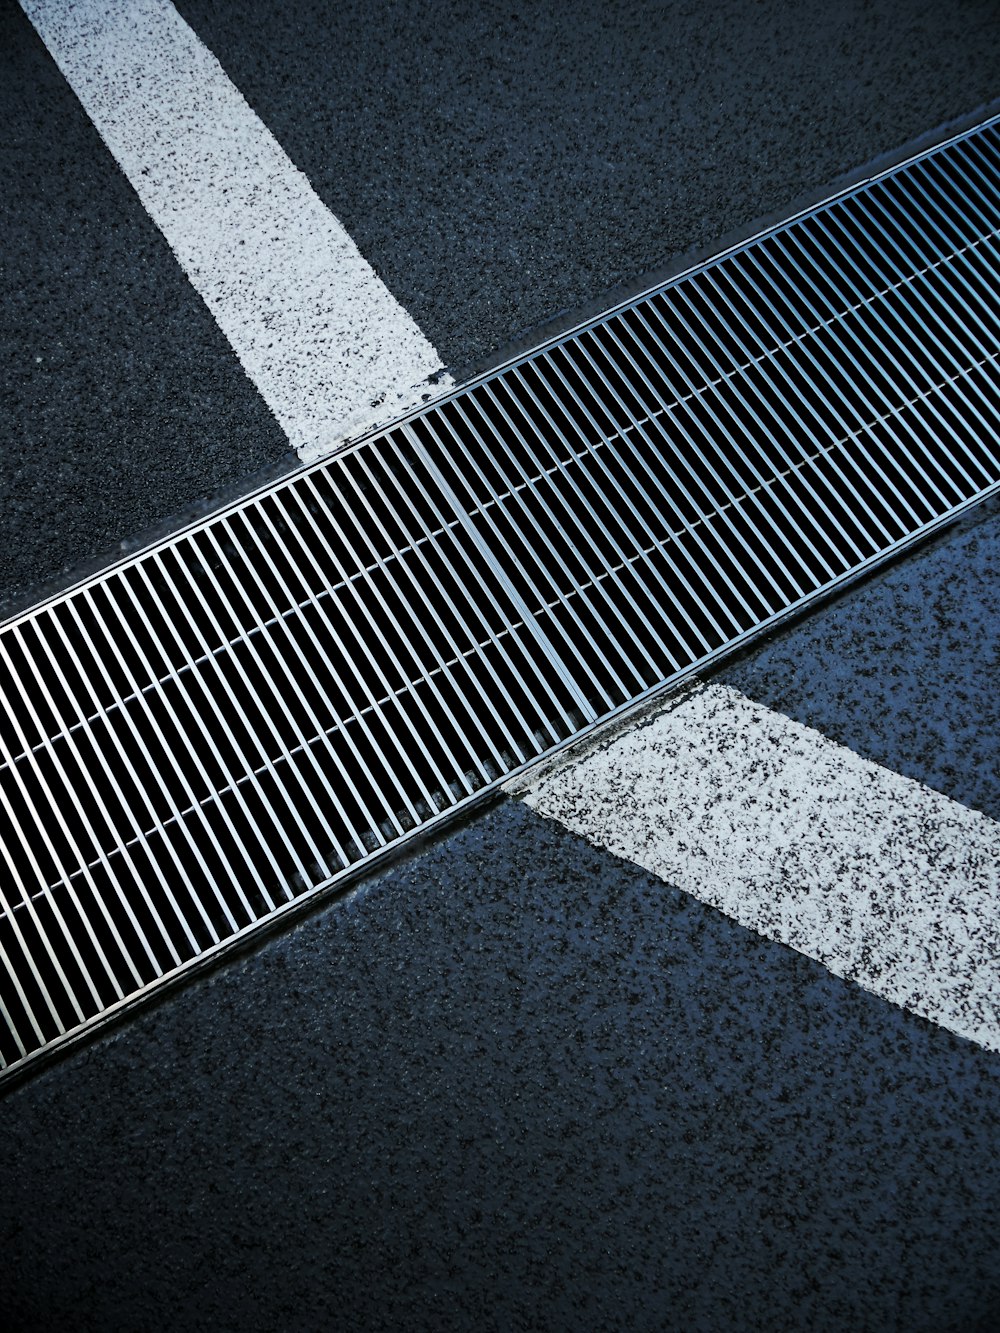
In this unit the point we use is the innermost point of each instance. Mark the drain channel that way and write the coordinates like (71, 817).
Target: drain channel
(260, 705)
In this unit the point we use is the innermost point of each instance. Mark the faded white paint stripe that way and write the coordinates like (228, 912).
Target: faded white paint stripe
(330, 349)
(879, 878)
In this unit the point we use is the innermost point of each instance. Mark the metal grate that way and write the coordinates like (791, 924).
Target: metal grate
(257, 707)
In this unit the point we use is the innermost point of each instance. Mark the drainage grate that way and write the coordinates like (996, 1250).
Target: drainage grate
(258, 706)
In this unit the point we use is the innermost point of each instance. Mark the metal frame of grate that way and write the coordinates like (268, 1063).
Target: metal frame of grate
(260, 706)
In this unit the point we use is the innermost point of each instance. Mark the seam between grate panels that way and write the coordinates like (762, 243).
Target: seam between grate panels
(206, 735)
(528, 619)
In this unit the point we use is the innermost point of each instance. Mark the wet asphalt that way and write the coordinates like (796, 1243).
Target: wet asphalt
(511, 1082)
(505, 171)
(516, 1083)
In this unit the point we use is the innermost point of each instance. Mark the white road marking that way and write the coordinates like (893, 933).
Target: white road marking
(884, 881)
(316, 330)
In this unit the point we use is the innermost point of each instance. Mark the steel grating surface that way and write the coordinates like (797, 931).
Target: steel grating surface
(257, 707)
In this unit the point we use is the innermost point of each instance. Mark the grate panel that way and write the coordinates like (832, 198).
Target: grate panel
(261, 705)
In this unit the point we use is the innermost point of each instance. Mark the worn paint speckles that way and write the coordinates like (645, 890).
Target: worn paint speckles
(905, 669)
(316, 330)
(884, 881)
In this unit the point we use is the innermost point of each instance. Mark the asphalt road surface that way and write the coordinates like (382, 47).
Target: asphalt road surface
(517, 1083)
(501, 170)
(514, 1081)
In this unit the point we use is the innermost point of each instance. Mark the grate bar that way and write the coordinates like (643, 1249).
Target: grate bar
(493, 560)
(439, 665)
(644, 482)
(448, 568)
(678, 584)
(111, 785)
(892, 339)
(555, 506)
(871, 414)
(259, 707)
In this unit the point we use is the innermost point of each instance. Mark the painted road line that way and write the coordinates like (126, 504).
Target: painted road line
(328, 346)
(883, 880)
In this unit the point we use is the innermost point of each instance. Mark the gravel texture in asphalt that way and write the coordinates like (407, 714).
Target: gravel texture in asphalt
(516, 1082)
(500, 169)
(499, 165)
(122, 403)
(904, 669)
(513, 1083)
